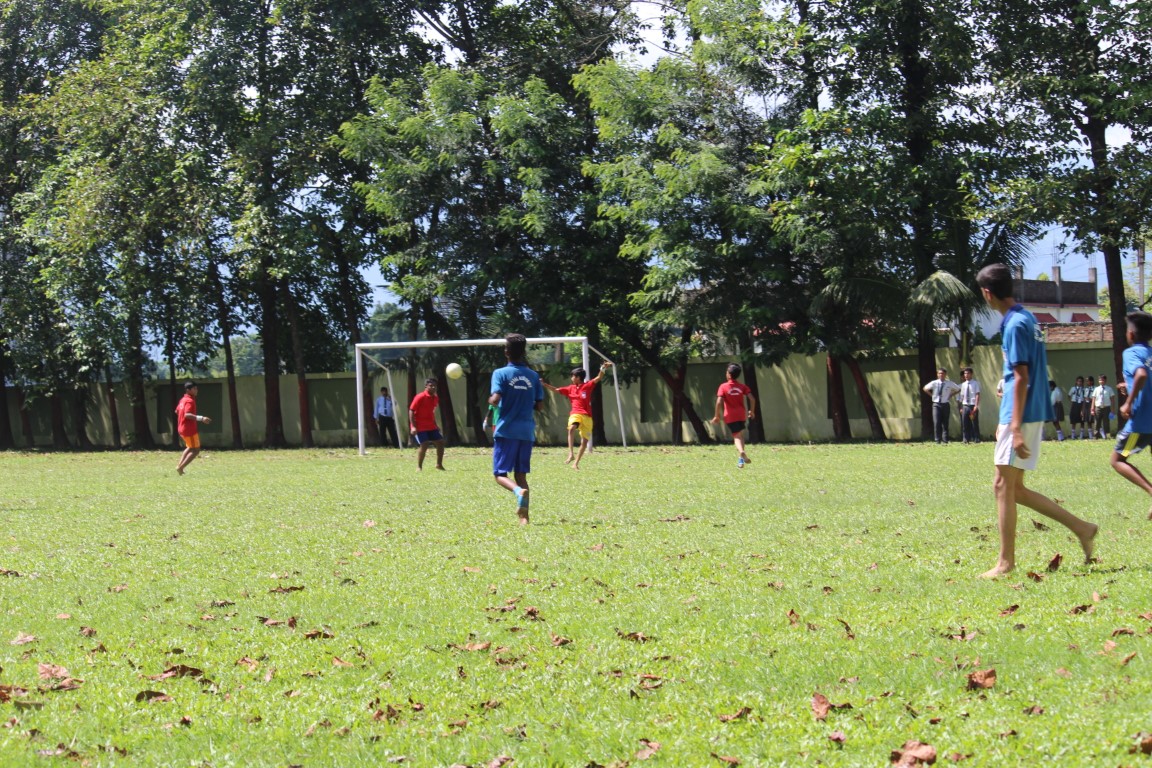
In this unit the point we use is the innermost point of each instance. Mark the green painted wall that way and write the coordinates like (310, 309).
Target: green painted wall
(794, 401)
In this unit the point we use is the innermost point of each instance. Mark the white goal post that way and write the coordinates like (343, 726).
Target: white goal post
(362, 353)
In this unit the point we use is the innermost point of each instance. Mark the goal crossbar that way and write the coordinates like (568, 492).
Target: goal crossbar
(363, 349)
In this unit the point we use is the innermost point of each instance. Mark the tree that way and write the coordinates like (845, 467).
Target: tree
(1076, 72)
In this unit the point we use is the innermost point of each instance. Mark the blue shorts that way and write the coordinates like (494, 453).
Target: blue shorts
(510, 455)
(1128, 443)
(428, 435)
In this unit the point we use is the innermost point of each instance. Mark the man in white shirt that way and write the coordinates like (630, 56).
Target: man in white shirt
(1102, 398)
(941, 391)
(1078, 395)
(1057, 408)
(969, 407)
(385, 415)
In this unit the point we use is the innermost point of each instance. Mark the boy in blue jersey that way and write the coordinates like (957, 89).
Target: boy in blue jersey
(517, 391)
(1023, 410)
(1137, 409)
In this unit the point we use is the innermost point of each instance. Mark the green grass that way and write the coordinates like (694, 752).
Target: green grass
(875, 549)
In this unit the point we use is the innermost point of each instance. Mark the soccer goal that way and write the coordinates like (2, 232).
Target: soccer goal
(363, 356)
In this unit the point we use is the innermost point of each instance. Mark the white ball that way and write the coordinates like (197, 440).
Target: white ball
(454, 371)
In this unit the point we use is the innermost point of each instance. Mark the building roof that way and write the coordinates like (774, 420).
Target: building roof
(1082, 317)
(1044, 317)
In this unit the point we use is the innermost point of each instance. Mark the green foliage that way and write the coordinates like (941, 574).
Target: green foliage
(293, 618)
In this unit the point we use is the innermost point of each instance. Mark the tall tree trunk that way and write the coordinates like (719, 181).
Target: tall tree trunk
(413, 335)
(599, 430)
(756, 425)
(134, 368)
(174, 391)
(25, 418)
(113, 411)
(270, 343)
(652, 359)
(679, 378)
(80, 418)
(7, 442)
(293, 313)
(840, 428)
(56, 419)
(866, 398)
(224, 320)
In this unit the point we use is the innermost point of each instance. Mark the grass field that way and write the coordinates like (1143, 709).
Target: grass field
(318, 608)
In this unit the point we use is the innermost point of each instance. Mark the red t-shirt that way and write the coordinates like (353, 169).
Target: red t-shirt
(733, 394)
(424, 411)
(580, 395)
(186, 427)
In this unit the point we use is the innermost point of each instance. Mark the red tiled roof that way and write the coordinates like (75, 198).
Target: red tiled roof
(1044, 317)
(1082, 317)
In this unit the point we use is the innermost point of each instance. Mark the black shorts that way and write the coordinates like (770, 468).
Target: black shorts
(1058, 409)
(1077, 416)
(735, 427)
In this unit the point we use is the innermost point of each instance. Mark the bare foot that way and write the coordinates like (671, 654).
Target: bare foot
(997, 572)
(569, 459)
(179, 470)
(523, 515)
(1088, 543)
(575, 466)
(441, 467)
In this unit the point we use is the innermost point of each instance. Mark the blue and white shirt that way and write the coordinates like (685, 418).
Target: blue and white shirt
(520, 389)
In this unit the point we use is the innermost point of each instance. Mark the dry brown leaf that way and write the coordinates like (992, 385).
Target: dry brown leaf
(23, 639)
(249, 663)
(51, 672)
(319, 634)
(793, 617)
(636, 637)
(497, 762)
(1010, 610)
(472, 569)
(837, 737)
(558, 641)
(820, 706)
(914, 753)
(1128, 658)
(648, 749)
(728, 759)
(847, 629)
(1035, 576)
(339, 662)
(1035, 709)
(982, 679)
(178, 670)
(1054, 563)
(739, 714)
(153, 696)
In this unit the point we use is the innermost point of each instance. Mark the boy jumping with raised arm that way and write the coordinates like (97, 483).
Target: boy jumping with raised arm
(1137, 409)
(517, 391)
(730, 403)
(580, 419)
(1023, 410)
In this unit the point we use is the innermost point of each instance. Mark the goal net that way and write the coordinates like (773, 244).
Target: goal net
(367, 361)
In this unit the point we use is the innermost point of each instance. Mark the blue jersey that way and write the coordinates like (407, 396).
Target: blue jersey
(520, 389)
(1023, 345)
(1135, 358)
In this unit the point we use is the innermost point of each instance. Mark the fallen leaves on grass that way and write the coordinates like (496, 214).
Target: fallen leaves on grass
(471, 646)
(318, 634)
(339, 662)
(178, 670)
(152, 696)
(558, 641)
(1054, 563)
(290, 622)
(821, 706)
(793, 617)
(913, 753)
(648, 749)
(1010, 610)
(963, 635)
(285, 590)
(23, 639)
(727, 759)
(248, 663)
(739, 714)
(837, 737)
(636, 637)
(982, 679)
(1143, 744)
(847, 629)
(1035, 709)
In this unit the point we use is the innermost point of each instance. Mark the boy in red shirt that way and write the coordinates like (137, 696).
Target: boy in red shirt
(580, 419)
(730, 398)
(422, 424)
(188, 425)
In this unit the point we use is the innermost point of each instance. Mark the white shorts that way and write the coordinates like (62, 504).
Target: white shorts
(1006, 457)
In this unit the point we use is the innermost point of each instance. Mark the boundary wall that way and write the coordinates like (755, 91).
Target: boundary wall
(794, 403)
